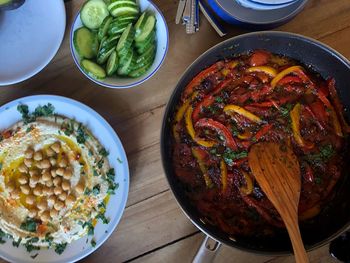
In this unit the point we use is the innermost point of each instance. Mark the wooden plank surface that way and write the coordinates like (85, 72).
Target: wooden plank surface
(153, 228)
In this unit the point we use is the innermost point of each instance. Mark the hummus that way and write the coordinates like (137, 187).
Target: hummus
(55, 180)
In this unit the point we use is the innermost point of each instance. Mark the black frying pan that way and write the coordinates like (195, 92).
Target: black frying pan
(332, 221)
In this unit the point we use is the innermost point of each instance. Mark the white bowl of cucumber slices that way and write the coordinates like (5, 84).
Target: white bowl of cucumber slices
(119, 43)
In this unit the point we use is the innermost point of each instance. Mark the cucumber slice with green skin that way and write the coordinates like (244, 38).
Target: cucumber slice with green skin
(120, 3)
(92, 69)
(127, 18)
(144, 45)
(141, 71)
(147, 29)
(117, 27)
(125, 56)
(140, 23)
(124, 9)
(102, 32)
(93, 13)
(148, 55)
(112, 63)
(85, 42)
(125, 68)
(101, 42)
(126, 38)
(103, 55)
(110, 42)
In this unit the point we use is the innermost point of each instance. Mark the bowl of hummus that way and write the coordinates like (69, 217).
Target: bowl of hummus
(57, 179)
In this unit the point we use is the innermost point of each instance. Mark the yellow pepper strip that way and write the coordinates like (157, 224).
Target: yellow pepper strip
(242, 111)
(245, 135)
(310, 213)
(336, 123)
(180, 114)
(233, 64)
(223, 169)
(284, 73)
(201, 162)
(248, 189)
(268, 70)
(295, 117)
(191, 131)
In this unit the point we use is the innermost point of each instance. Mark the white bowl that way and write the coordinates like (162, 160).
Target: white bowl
(117, 82)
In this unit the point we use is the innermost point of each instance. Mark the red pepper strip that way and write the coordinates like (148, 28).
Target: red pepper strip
(201, 76)
(239, 162)
(337, 104)
(207, 101)
(201, 156)
(317, 120)
(220, 129)
(274, 103)
(263, 131)
(258, 94)
(223, 84)
(289, 79)
(323, 97)
(308, 175)
(259, 58)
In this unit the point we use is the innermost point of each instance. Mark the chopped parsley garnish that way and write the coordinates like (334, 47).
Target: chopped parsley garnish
(103, 218)
(286, 109)
(119, 161)
(16, 243)
(68, 128)
(87, 191)
(100, 163)
(219, 99)
(40, 111)
(111, 174)
(326, 153)
(0, 166)
(93, 242)
(29, 225)
(103, 152)
(34, 256)
(2, 241)
(89, 227)
(29, 129)
(230, 156)
(48, 239)
(95, 172)
(102, 205)
(59, 248)
(29, 246)
(112, 187)
(81, 134)
(96, 189)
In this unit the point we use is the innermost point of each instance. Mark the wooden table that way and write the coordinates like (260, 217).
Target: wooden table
(153, 228)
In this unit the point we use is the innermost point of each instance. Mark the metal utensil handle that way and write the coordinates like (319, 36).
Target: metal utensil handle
(207, 251)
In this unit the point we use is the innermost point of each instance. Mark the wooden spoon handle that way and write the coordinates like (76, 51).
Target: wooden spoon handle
(297, 243)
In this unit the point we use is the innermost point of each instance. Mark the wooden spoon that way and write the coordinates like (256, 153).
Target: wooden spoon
(277, 170)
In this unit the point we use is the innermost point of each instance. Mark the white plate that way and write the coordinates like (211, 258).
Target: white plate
(30, 37)
(109, 139)
(258, 6)
(162, 35)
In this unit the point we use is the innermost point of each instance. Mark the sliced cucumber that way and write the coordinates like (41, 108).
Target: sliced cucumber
(103, 55)
(110, 42)
(126, 38)
(120, 9)
(140, 23)
(144, 45)
(147, 56)
(147, 29)
(125, 55)
(93, 13)
(120, 3)
(112, 63)
(102, 32)
(117, 27)
(127, 18)
(92, 69)
(141, 71)
(127, 66)
(85, 42)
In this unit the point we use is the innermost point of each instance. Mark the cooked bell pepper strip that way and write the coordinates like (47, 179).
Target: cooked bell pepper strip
(310, 213)
(248, 189)
(318, 121)
(200, 156)
(223, 170)
(180, 114)
(337, 104)
(308, 175)
(223, 84)
(264, 130)
(275, 103)
(294, 69)
(207, 101)
(191, 131)
(220, 129)
(245, 135)
(295, 117)
(289, 79)
(266, 69)
(242, 111)
(201, 76)
(259, 58)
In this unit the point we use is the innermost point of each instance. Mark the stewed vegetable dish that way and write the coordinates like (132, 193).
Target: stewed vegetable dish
(238, 102)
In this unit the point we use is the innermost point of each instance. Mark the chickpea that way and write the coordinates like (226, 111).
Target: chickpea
(42, 205)
(23, 179)
(62, 196)
(46, 176)
(57, 190)
(15, 194)
(38, 190)
(52, 199)
(30, 199)
(60, 171)
(38, 156)
(53, 213)
(33, 172)
(44, 190)
(53, 173)
(57, 181)
(58, 205)
(50, 191)
(50, 152)
(65, 185)
(34, 179)
(28, 162)
(32, 212)
(53, 161)
(29, 153)
(25, 189)
(45, 217)
(63, 163)
(10, 187)
(67, 173)
(45, 164)
(23, 168)
(56, 147)
(70, 199)
(80, 188)
(49, 183)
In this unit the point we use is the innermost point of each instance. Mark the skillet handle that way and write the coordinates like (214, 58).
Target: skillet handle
(207, 251)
